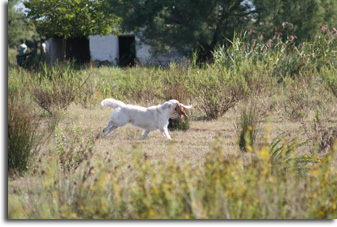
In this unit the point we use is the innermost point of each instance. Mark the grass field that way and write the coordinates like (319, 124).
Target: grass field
(260, 144)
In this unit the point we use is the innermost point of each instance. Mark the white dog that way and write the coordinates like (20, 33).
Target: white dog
(149, 119)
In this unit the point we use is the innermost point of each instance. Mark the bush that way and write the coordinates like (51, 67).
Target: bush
(329, 74)
(299, 97)
(22, 126)
(53, 92)
(217, 90)
(73, 151)
(174, 80)
(178, 124)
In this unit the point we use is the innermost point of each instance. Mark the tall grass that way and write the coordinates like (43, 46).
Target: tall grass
(247, 127)
(22, 135)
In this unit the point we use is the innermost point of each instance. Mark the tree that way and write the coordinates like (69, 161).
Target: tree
(192, 24)
(70, 18)
(17, 28)
(301, 18)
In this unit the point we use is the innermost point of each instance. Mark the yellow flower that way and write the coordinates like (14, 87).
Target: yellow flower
(250, 127)
(249, 148)
(314, 172)
(151, 213)
(264, 153)
(46, 183)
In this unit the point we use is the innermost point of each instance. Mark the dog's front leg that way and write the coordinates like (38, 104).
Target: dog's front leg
(145, 133)
(165, 133)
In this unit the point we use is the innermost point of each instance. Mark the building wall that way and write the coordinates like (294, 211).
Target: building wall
(56, 49)
(106, 48)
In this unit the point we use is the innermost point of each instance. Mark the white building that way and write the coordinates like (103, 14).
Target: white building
(121, 50)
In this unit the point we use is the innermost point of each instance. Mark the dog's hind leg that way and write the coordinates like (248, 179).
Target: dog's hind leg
(145, 133)
(109, 128)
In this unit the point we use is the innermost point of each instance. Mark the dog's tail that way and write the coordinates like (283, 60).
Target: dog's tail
(110, 102)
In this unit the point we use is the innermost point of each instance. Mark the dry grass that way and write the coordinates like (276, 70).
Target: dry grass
(192, 144)
(120, 149)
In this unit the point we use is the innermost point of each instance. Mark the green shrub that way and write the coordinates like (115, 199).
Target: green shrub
(329, 74)
(174, 80)
(178, 124)
(299, 97)
(217, 90)
(75, 150)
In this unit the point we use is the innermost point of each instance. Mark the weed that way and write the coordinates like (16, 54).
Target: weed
(22, 137)
(72, 153)
(247, 128)
(53, 93)
(330, 76)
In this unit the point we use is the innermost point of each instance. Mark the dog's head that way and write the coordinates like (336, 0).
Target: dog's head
(179, 110)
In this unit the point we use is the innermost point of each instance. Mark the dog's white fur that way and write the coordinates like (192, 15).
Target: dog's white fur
(149, 119)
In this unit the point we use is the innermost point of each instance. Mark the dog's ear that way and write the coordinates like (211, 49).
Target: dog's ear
(186, 107)
(165, 105)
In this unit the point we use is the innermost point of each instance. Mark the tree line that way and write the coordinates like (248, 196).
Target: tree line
(186, 25)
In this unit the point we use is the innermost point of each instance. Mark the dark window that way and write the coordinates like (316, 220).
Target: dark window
(127, 50)
(78, 49)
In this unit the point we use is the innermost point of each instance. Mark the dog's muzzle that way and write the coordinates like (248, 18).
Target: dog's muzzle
(181, 112)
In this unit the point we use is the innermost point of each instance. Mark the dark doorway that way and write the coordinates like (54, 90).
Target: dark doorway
(78, 49)
(127, 50)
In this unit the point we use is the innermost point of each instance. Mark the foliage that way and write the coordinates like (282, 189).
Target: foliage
(22, 126)
(70, 18)
(330, 76)
(17, 28)
(248, 126)
(299, 98)
(217, 90)
(56, 89)
(319, 134)
(300, 19)
(75, 150)
(175, 81)
(198, 25)
(280, 178)
(223, 187)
